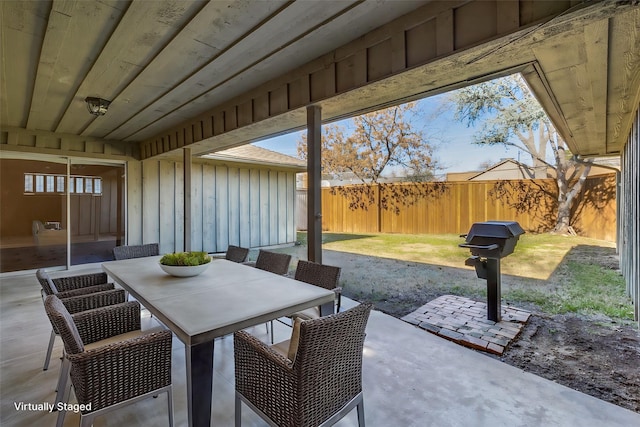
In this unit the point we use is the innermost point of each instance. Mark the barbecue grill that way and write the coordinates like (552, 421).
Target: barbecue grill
(489, 242)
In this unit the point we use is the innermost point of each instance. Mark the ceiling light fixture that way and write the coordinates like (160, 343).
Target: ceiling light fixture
(97, 106)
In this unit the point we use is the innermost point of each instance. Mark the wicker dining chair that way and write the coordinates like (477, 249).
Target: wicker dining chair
(135, 251)
(77, 304)
(322, 275)
(312, 380)
(73, 285)
(237, 254)
(80, 292)
(273, 262)
(111, 362)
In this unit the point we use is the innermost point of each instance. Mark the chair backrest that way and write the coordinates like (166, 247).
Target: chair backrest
(135, 251)
(237, 253)
(64, 324)
(325, 276)
(274, 262)
(45, 281)
(328, 360)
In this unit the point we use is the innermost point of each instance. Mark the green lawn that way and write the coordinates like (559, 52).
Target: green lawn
(536, 255)
(563, 281)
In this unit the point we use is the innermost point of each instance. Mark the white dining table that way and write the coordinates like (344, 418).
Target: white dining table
(226, 298)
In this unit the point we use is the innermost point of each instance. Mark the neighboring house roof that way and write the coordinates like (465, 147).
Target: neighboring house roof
(251, 154)
(347, 178)
(508, 169)
(511, 169)
(460, 176)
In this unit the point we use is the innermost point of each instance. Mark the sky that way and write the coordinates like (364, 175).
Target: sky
(455, 152)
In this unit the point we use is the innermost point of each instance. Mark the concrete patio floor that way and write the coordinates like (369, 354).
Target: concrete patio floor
(411, 378)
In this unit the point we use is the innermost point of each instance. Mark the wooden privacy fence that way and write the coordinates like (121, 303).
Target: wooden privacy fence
(451, 207)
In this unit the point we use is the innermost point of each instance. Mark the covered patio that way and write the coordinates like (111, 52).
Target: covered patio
(191, 78)
(410, 378)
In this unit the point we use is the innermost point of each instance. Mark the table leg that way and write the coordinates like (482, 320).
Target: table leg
(199, 360)
(327, 308)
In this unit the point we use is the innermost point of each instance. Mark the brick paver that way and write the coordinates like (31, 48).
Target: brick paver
(465, 322)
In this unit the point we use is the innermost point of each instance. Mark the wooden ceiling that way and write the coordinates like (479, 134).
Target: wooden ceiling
(212, 75)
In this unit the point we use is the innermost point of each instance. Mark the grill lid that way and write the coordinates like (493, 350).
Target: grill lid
(495, 229)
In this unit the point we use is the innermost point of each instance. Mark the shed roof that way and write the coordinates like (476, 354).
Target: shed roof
(251, 154)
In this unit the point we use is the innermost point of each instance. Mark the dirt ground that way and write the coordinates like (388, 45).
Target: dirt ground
(594, 355)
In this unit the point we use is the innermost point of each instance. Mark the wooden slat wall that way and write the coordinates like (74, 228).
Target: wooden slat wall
(134, 202)
(230, 205)
(151, 188)
(95, 214)
(460, 205)
(629, 231)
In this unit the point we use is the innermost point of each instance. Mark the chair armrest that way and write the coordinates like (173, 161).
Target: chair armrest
(80, 303)
(254, 347)
(80, 281)
(262, 374)
(105, 322)
(86, 291)
(119, 371)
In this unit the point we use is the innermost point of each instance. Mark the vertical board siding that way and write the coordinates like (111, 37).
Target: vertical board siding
(273, 207)
(209, 209)
(222, 207)
(167, 208)
(196, 206)
(290, 194)
(233, 202)
(150, 201)
(134, 202)
(629, 230)
(244, 196)
(178, 185)
(254, 208)
(230, 205)
(282, 206)
(264, 207)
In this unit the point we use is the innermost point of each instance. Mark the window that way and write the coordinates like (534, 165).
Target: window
(28, 183)
(39, 183)
(52, 184)
(79, 187)
(97, 186)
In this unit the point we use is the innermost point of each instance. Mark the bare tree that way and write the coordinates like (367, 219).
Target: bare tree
(379, 141)
(374, 144)
(509, 114)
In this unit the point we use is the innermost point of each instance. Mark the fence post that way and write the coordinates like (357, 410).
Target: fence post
(379, 204)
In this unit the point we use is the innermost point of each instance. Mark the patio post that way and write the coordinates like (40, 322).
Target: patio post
(314, 195)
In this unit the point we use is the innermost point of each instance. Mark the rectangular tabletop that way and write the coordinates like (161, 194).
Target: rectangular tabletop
(225, 298)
